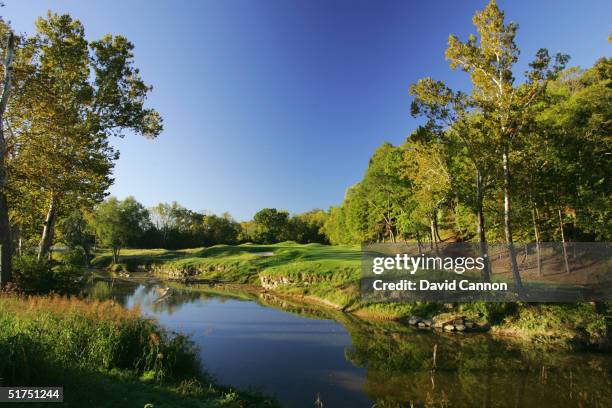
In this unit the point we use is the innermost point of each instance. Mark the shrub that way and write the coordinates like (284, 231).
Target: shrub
(32, 275)
(74, 257)
(40, 277)
(492, 312)
(118, 267)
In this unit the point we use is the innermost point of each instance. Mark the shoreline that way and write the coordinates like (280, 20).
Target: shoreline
(328, 276)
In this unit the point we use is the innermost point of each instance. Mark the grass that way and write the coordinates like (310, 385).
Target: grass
(330, 275)
(104, 356)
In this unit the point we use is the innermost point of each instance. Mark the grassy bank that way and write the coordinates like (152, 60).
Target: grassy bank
(104, 356)
(330, 275)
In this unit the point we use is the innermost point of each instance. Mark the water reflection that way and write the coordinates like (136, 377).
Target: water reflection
(297, 352)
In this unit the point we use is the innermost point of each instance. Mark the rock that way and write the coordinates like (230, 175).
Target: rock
(421, 324)
(460, 327)
(458, 321)
(469, 325)
(428, 322)
(414, 320)
(449, 327)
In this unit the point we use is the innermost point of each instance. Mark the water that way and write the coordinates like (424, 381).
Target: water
(298, 353)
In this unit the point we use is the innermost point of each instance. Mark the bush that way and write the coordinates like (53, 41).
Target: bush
(40, 277)
(118, 267)
(492, 312)
(75, 257)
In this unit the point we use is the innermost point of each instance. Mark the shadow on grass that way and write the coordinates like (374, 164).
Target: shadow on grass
(118, 390)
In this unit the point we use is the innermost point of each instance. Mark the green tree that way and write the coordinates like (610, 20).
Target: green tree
(504, 105)
(307, 227)
(272, 225)
(431, 181)
(77, 94)
(76, 232)
(118, 224)
(221, 229)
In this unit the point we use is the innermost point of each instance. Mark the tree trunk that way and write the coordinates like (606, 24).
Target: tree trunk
(47, 235)
(433, 232)
(507, 221)
(536, 231)
(5, 226)
(485, 274)
(436, 229)
(87, 254)
(391, 234)
(567, 269)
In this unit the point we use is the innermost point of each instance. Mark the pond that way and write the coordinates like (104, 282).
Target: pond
(302, 354)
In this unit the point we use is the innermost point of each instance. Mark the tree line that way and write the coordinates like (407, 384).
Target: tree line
(117, 224)
(511, 160)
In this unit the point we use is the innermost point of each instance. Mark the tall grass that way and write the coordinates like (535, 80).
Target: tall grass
(43, 336)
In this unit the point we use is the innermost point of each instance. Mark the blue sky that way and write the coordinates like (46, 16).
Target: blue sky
(279, 103)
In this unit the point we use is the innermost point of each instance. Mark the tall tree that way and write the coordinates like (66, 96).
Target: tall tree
(8, 49)
(451, 120)
(78, 95)
(502, 104)
(489, 60)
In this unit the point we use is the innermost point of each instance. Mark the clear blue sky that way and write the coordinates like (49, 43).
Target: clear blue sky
(279, 103)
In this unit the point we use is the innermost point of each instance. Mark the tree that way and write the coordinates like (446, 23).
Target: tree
(77, 95)
(271, 225)
(76, 233)
(431, 179)
(221, 229)
(503, 105)
(307, 227)
(451, 122)
(385, 189)
(118, 224)
(335, 228)
(8, 48)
